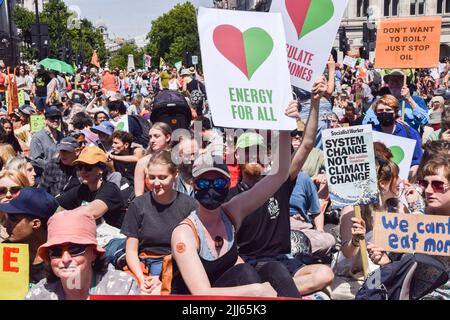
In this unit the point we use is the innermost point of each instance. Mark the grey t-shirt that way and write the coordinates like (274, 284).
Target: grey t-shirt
(113, 282)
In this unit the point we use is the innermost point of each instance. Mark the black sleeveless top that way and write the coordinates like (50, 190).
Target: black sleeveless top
(214, 268)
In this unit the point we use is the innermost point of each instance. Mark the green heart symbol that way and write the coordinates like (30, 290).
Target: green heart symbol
(120, 126)
(258, 45)
(397, 153)
(319, 13)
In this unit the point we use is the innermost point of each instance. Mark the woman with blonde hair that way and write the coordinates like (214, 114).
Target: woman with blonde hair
(22, 164)
(11, 182)
(6, 152)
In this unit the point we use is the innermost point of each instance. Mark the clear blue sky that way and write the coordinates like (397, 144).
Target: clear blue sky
(128, 18)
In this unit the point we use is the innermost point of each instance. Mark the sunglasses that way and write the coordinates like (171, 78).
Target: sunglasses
(86, 167)
(219, 183)
(12, 190)
(73, 249)
(436, 185)
(296, 133)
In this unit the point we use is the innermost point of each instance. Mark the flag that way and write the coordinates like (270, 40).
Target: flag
(147, 61)
(13, 95)
(178, 65)
(162, 63)
(94, 59)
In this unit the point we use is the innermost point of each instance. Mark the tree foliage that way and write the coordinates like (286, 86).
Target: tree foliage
(120, 58)
(173, 33)
(83, 39)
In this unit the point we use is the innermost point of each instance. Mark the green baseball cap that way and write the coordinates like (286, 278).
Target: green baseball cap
(248, 139)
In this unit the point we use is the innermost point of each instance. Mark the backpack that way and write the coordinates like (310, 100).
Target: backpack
(172, 108)
(400, 280)
(144, 125)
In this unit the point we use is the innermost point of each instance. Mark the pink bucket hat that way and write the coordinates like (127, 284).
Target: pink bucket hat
(64, 227)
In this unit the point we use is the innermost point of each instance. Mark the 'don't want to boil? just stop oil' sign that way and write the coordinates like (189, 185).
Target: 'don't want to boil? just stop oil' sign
(245, 68)
(311, 27)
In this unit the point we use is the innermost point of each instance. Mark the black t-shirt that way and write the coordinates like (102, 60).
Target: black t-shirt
(126, 169)
(196, 85)
(108, 192)
(41, 81)
(266, 231)
(152, 223)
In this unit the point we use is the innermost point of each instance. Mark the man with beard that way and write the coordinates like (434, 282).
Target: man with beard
(27, 223)
(416, 111)
(265, 234)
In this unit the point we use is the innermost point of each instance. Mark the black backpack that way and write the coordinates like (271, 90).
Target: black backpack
(402, 280)
(172, 108)
(144, 126)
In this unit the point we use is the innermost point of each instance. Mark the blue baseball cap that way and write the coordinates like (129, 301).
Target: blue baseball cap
(33, 202)
(105, 127)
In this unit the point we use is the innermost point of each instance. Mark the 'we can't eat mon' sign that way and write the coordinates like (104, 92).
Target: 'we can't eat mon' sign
(410, 233)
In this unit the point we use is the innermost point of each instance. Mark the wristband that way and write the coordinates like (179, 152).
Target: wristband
(355, 243)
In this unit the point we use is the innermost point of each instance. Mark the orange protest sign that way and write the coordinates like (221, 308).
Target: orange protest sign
(410, 233)
(408, 43)
(14, 271)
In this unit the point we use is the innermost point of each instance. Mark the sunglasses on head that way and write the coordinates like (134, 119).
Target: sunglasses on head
(219, 183)
(436, 185)
(13, 190)
(86, 167)
(73, 249)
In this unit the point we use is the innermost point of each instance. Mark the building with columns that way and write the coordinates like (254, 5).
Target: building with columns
(360, 11)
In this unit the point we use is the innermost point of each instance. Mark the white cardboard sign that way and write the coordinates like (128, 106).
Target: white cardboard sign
(311, 27)
(245, 68)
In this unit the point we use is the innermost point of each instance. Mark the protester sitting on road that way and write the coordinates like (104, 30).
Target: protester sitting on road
(95, 195)
(151, 219)
(444, 132)
(104, 131)
(435, 183)
(11, 182)
(9, 129)
(60, 175)
(125, 154)
(74, 255)
(160, 137)
(27, 219)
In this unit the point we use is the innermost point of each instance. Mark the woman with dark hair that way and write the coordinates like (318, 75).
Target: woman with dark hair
(74, 255)
(11, 139)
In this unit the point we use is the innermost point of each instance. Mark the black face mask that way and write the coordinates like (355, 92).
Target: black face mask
(211, 198)
(386, 119)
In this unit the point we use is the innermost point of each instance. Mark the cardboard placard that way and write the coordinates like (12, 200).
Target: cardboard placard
(401, 148)
(349, 61)
(408, 43)
(311, 28)
(14, 271)
(410, 233)
(121, 124)
(350, 166)
(245, 67)
(37, 122)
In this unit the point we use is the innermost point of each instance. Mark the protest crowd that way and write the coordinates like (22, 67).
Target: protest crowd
(121, 179)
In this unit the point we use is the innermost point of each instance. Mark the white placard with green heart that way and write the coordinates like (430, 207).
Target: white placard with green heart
(311, 27)
(402, 150)
(121, 124)
(245, 68)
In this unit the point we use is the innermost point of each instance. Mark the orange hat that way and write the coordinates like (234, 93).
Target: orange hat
(91, 155)
(66, 227)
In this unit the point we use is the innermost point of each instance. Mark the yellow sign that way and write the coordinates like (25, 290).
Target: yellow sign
(37, 122)
(14, 271)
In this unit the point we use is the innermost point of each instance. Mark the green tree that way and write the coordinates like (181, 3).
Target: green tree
(24, 19)
(173, 33)
(120, 58)
(82, 36)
